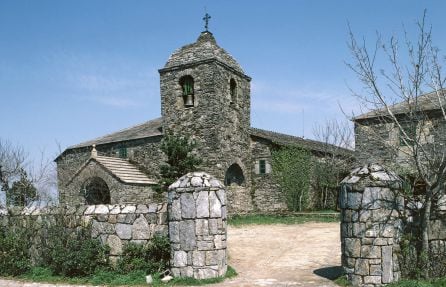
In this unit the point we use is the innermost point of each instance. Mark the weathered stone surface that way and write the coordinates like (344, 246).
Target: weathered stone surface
(98, 228)
(214, 205)
(196, 181)
(175, 210)
(101, 209)
(362, 267)
(370, 251)
(372, 280)
(124, 231)
(187, 206)
(205, 273)
(387, 264)
(142, 208)
(129, 209)
(140, 228)
(115, 245)
(221, 194)
(179, 258)
(371, 198)
(203, 204)
(202, 227)
(187, 235)
(353, 247)
(198, 258)
(354, 200)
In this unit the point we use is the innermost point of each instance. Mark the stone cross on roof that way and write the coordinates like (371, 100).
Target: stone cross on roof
(206, 21)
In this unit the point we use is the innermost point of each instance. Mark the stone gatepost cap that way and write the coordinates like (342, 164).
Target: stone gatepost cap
(196, 179)
(373, 171)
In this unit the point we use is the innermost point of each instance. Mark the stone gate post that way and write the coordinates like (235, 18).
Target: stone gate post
(197, 226)
(370, 225)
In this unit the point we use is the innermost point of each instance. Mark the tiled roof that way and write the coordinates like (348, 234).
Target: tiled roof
(309, 144)
(124, 170)
(144, 130)
(427, 102)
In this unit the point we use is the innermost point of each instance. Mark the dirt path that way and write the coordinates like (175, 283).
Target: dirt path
(284, 255)
(274, 255)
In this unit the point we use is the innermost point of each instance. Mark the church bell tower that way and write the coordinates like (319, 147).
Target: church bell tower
(205, 95)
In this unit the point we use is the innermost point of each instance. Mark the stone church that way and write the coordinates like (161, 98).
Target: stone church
(205, 95)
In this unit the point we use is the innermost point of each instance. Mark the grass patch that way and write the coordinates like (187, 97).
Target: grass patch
(112, 278)
(292, 218)
(230, 273)
(342, 281)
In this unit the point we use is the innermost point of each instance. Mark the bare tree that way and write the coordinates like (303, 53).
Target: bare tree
(398, 98)
(337, 136)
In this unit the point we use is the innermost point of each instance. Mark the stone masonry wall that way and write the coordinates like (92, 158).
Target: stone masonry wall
(197, 226)
(114, 225)
(371, 226)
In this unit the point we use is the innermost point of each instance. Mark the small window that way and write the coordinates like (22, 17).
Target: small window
(262, 166)
(233, 90)
(410, 129)
(187, 88)
(122, 152)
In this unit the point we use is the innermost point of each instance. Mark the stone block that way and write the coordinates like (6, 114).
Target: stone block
(205, 245)
(387, 264)
(115, 245)
(99, 228)
(362, 267)
(140, 228)
(371, 197)
(196, 181)
(221, 194)
(202, 227)
(198, 258)
(101, 209)
(187, 206)
(375, 270)
(203, 204)
(372, 280)
(174, 232)
(175, 210)
(179, 259)
(219, 241)
(142, 208)
(205, 273)
(124, 231)
(129, 209)
(370, 251)
(353, 247)
(187, 235)
(187, 272)
(354, 200)
(214, 205)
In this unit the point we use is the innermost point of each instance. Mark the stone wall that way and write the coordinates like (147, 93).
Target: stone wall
(197, 226)
(114, 225)
(371, 226)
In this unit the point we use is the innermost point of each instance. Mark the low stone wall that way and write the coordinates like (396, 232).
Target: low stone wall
(197, 226)
(114, 225)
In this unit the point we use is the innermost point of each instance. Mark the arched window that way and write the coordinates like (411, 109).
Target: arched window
(234, 175)
(96, 191)
(233, 90)
(187, 88)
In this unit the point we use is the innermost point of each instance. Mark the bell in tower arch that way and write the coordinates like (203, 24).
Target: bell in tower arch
(189, 100)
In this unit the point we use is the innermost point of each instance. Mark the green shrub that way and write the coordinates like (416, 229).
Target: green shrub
(15, 258)
(73, 253)
(150, 258)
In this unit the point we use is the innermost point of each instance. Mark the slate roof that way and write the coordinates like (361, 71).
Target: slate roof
(312, 145)
(205, 48)
(426, 102)
(144, 130)
(124, 170)
(120, 168)
(154, 128)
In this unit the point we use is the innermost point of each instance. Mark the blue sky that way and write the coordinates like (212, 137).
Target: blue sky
(71, 71)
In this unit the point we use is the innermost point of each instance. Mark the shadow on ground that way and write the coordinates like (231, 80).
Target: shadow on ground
(331, 272)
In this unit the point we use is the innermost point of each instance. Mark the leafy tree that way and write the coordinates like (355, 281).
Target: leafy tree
(291, 166)
(180, 159)
(22, 191)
